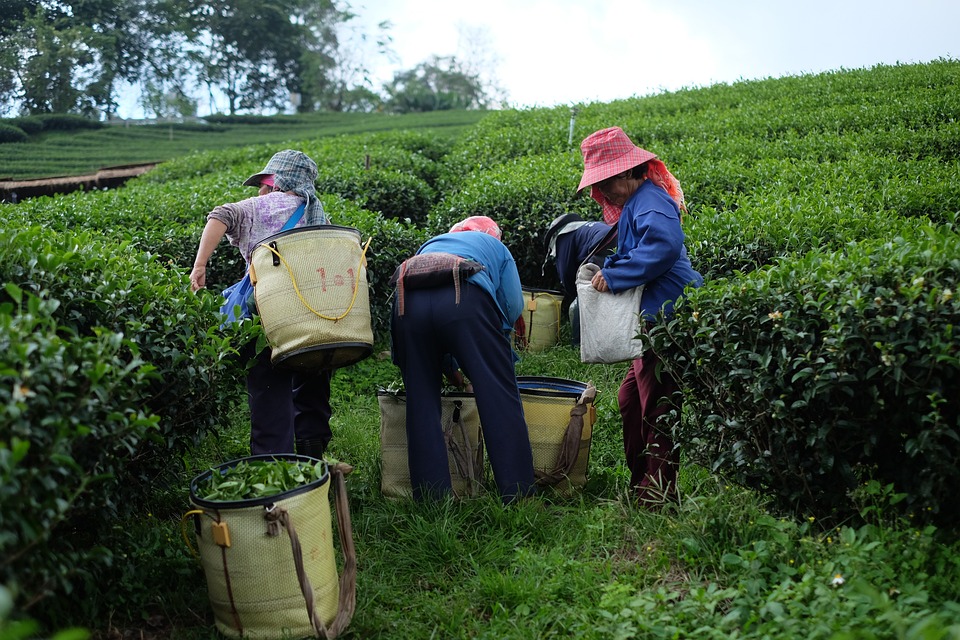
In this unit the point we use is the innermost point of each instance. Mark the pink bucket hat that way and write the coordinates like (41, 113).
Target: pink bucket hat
(478, 223)
(608, 152)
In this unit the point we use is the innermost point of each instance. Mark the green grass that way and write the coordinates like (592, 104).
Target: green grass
(591, 565)
(66, 153)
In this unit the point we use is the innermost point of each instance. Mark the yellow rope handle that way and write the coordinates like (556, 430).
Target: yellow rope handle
(356, 285)
(183, 528)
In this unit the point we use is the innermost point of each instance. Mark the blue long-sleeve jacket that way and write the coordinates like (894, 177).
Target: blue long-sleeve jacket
(499, 277)
(651, 251)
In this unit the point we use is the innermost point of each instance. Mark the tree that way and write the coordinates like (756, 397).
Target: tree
(439, 84)
(234, 45)
(260, 53)
(120, 40)
(53, 59)
(67, 56)
(336, 77)
(168, 75)
(73, 56)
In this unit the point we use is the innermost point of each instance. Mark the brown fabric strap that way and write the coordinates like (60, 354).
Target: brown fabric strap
(237, 623)
(468, 462)
(428, 263)
(570, 447)
(280, 516)
(346, 605)
(348, 578)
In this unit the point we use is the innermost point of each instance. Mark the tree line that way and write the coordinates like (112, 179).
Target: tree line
(257, 56)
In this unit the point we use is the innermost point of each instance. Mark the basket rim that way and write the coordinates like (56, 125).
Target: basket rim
(312, 227)
(256, 502)
(549, 386)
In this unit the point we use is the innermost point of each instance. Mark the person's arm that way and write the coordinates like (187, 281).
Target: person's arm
(659, 244)
(213, 233)
(511, 291)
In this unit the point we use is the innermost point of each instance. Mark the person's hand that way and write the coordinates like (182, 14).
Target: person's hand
(198, 277)
(460, 381)
(599, 282)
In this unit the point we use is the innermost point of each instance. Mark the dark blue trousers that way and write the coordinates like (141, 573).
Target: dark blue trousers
(434, 325)
(287, 407)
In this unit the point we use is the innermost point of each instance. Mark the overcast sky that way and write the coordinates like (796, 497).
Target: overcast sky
(553, 52)
(560, 52)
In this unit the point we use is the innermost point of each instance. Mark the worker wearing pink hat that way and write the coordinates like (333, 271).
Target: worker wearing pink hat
(478, 223)
(644, 200)
(467, 320)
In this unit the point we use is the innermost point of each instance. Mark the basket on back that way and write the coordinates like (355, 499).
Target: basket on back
(313, 298)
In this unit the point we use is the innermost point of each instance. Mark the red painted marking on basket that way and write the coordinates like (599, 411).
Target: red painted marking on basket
(338, 280)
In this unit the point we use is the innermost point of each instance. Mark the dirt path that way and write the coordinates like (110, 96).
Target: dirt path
(106, 178)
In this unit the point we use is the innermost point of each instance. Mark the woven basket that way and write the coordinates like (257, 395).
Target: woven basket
(461, 425)
(560, 416)
(269, 563)
(313, 298)
(541, 320)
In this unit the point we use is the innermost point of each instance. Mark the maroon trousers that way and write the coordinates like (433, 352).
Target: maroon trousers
(651, 456)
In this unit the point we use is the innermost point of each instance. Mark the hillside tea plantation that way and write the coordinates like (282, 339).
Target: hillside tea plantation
(820, 367)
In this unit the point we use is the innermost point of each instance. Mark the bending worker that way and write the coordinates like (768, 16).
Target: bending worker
(469, 317)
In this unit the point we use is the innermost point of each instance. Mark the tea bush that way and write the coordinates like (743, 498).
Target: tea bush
(523, 196)
(10, 133)
(70, 430)
(821, 372)
(393, 194)
(767, 227)
(503, 136)
(123, 372)
(67, 122)
(29, 124)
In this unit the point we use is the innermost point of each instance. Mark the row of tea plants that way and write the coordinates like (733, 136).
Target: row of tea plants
(819, 357)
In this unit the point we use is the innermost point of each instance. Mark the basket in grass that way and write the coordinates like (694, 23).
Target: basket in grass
(264, 536)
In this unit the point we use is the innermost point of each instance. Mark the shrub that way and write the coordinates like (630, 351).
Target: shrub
(812, 376)
(507, 135)
(10, 133)
(394, 194)
(140, 349)
(68, 434)
(67, 122)
(769, 226)
(31, 125)
(523, 196)
(222, 118)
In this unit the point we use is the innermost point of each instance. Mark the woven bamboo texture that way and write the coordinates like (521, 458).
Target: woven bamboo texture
(253, 584)
(541, 320)
(548, 418)
(395, 470)
(313, 297)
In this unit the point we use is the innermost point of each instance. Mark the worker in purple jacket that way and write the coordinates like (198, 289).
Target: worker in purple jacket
(645, 201)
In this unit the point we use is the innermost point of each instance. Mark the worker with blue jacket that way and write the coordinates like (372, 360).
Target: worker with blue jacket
(571, 241)
(469, 318)
(639, 195)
